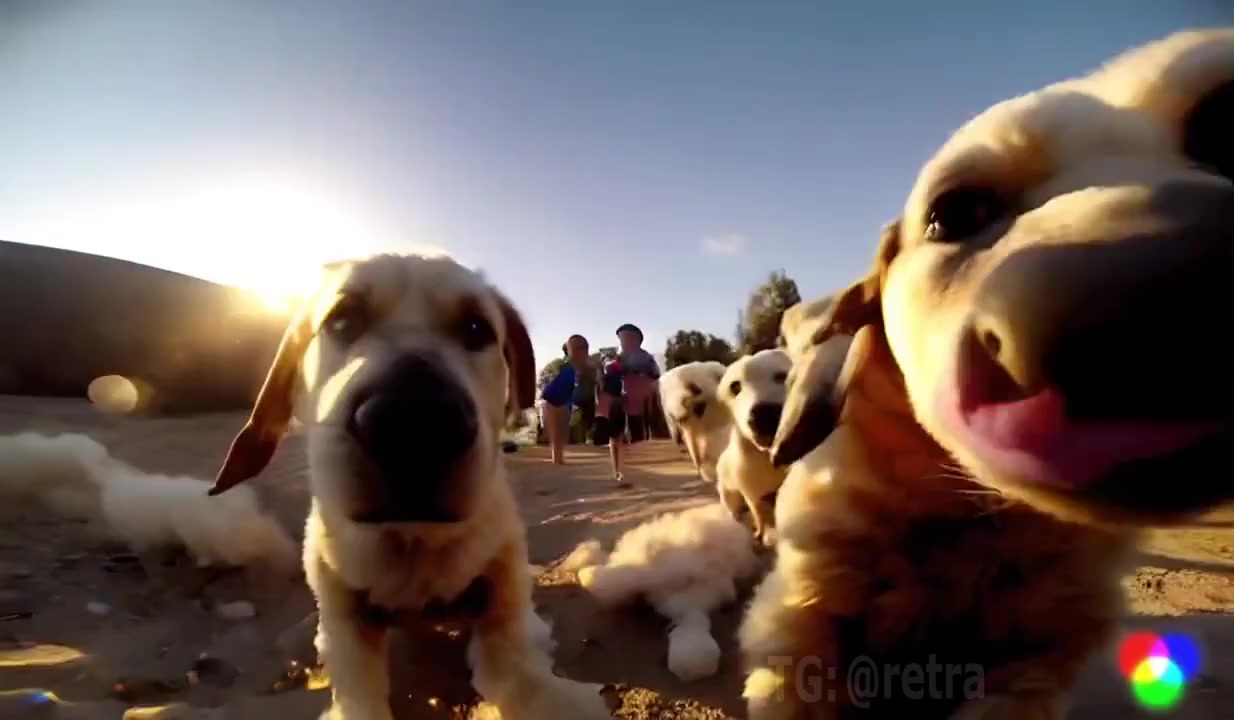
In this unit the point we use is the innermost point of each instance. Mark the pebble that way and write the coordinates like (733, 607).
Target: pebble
(98, 608)
(213, 671)
(239, 610)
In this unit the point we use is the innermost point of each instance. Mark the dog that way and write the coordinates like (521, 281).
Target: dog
(404, 369)
(686, 565)
(688, 396)
(1007, 419)
(753, 390)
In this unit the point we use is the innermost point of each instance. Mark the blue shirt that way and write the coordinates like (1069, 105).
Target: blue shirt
(561, 389)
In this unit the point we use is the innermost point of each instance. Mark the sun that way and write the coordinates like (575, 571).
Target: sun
(273, 235)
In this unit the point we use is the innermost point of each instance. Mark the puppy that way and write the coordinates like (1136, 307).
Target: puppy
(1007, 418)
(688, 396)
(753, 391)
(404, 369)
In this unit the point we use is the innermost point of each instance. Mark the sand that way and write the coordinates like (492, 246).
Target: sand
(89, 623)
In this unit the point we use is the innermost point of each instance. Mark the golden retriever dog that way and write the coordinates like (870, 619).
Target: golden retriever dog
(688, 396)
(1010, 410)
(753, 390)
(404, 369)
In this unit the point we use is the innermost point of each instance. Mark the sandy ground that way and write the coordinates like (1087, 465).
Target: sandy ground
(105, 631)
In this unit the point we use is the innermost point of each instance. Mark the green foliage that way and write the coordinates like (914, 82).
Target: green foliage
(689, 346)
(758, 326)
(549, 371)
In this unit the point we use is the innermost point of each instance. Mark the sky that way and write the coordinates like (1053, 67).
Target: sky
(601, 162)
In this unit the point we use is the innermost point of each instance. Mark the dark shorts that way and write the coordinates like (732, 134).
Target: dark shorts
(612, 426)
(638, 428)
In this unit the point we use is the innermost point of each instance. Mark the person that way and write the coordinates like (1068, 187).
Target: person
(640, 373)
(560, 393)
(627, 381)
(610, 426)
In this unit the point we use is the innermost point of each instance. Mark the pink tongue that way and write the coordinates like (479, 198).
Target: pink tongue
(1036, 432)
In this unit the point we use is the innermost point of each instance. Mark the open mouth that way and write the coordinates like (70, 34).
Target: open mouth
(1031, 437)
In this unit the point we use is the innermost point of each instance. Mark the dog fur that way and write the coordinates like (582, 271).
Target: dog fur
(685, 565)
(75, 477)
(688, 396)
(747, 479)
(902, 538)
(399, 534)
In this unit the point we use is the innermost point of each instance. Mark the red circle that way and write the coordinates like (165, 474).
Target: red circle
(1134, 649)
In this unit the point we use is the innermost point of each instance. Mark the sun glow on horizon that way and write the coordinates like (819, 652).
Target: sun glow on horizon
(269, 235)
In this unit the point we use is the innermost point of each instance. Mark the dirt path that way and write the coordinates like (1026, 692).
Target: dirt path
(79, 619)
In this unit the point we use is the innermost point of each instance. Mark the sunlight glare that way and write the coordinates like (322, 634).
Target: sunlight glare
(264, 233)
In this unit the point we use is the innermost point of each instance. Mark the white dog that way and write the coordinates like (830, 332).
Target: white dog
(685, 565)
(404, 369)
(75, 477)
(688, 396)
(753, 390)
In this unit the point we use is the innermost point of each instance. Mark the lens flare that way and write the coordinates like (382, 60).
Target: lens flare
(1158, 667)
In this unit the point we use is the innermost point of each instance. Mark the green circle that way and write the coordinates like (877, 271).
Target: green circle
(1162, 693)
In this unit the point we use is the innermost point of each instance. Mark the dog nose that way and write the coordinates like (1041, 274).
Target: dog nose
(415, 423)
(765, 419)
(1130, 326)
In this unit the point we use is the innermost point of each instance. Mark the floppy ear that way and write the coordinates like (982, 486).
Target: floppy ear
(860, 304)
(520, 359)
(254, 446)
(815, 388)
(1207, 138)
(811, 407)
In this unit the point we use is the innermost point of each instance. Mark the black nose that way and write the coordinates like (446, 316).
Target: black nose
(1133, 328)
(765, 420)
(414, 425)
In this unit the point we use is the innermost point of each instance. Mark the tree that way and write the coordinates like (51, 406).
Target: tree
(689, 346)
(758, 326)
(549, 371)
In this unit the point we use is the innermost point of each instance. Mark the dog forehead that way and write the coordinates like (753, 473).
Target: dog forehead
(1133, 104)
(1165, 77)
(426, 284)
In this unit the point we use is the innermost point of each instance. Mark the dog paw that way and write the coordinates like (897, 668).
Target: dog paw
(692, 653)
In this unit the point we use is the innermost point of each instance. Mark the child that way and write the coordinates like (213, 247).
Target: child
(559, 394)
(611, 414)
(640, 374)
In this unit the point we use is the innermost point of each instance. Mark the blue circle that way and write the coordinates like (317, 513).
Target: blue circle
(1184, 652)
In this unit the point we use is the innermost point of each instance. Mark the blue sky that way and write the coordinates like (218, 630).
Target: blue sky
(560, 146)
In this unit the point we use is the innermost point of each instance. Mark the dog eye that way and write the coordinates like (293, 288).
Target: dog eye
(347, 321)
(779, 378)
(734, 387)
(477, 333)
(957, 215)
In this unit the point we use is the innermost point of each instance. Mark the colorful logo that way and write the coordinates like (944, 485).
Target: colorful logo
(1158, 666)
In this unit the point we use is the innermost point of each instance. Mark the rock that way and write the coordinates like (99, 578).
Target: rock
(214, 671)
(239, 610)
(97, 608)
